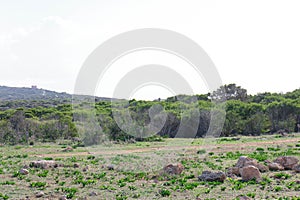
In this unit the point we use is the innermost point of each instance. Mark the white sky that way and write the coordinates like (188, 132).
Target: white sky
(255, 44)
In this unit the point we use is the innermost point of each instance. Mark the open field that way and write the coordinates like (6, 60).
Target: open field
(134, 171)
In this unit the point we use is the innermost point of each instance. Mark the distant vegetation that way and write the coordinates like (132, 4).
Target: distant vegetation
(28, 115)
(15, 94)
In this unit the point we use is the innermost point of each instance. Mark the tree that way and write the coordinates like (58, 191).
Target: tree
(283, 115)
(230, 92)
(256, 124)
(18, 123)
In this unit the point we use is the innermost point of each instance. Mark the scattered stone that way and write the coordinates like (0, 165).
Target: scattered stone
(275, 166)
(25, 167)
(63, 197)
(76, 165)
(249, 173)
(243, 198)
(39, 194)
(92, 194)
(68, 149)
(212, 176)
(110, 167)
(288, 162)
(173, 169)
(245, 161)
(44, 164)
(296, 168)
(23, 171)
(85, 169)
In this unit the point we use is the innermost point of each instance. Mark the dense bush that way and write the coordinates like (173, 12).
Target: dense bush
(245, 115)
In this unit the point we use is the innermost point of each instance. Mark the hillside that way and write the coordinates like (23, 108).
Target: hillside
(17, 93)
(16, 97)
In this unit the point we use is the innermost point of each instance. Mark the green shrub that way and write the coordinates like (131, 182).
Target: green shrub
(164, 192)
(282, 175)
(40, 185)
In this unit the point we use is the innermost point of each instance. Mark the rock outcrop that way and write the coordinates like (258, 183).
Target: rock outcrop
(246, 161)
(288, 162)
(273, 166)
(249, 173)
(212, 176)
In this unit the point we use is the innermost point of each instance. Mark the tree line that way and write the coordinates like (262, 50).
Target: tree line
(263, 113)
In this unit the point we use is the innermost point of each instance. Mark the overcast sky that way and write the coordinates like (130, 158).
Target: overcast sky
(255, 44)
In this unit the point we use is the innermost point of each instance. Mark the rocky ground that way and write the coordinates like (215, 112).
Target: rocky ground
(265, 167)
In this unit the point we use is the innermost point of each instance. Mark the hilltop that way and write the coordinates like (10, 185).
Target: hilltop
(33, 93)
(15, 97)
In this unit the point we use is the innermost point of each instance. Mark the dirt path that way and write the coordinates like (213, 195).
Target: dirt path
(214, 148)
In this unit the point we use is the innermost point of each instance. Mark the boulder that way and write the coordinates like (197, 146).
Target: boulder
(212, 176)
(275, 166)
(249, 173)
(245, 161)
(173, 169)
(288, 162)
(24, 171)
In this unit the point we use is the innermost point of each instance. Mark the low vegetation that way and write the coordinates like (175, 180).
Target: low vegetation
(120, 171)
